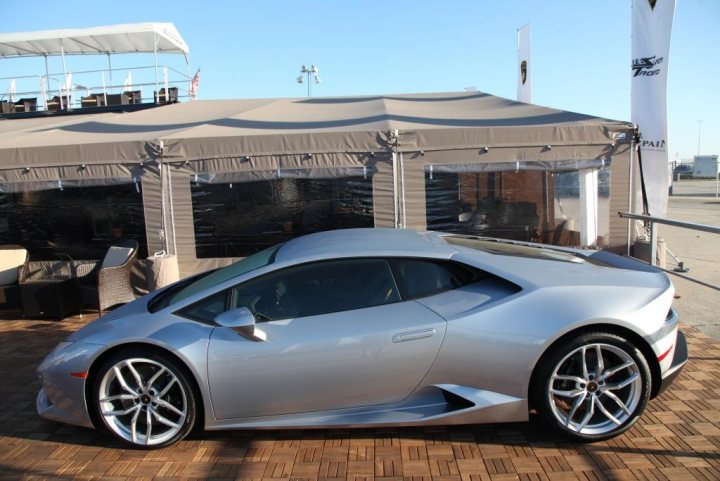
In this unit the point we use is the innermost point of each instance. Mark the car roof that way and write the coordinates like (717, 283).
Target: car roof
(365, 243)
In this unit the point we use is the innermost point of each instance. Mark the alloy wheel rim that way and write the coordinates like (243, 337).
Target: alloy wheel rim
(142, 401)
(595, 389)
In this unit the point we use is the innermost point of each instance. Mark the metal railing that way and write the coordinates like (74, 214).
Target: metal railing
(651, 221)
(93, 81)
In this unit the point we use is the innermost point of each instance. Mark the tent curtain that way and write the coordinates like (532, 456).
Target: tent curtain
(239, 177)
(553, 166)
(15, 187)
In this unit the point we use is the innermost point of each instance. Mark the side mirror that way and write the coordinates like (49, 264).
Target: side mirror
(242, 321)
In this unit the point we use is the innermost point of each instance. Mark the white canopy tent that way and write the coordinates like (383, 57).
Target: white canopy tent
(114, 39)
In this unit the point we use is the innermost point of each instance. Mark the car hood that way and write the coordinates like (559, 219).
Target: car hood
(130, 321)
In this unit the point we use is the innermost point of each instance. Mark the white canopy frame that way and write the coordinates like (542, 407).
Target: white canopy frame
(108, 40)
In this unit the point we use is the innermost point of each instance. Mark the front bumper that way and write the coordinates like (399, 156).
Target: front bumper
(62, 396)
(679, 359)
(46, 409)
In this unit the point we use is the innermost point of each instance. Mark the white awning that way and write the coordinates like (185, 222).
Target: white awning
(114, 39)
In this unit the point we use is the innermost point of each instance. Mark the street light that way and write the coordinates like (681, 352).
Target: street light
(313, 70)
(699, 125)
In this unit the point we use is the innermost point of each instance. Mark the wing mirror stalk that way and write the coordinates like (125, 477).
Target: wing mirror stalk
(242, 321)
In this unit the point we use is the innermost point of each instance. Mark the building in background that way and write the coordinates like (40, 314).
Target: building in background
(706, 166)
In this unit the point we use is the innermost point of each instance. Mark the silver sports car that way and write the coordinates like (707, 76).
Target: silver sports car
(375, 327)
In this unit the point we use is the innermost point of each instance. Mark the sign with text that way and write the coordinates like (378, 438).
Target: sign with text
(651, 27)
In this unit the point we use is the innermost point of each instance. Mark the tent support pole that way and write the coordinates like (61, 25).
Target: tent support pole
(588, 180)
(548, 221)
(631, 193)
(166, 192)
(403, 223)
(172, 209)
(163, 201)
(167, 85)
(65, 77)
(395, 189)
(102, 74)
(155, 44)
(47, 82)
(170, 195)
(187, 67)
(110, 71)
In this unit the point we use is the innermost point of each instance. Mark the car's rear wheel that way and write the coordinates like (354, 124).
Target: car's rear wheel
(593, 387)
(144, 399)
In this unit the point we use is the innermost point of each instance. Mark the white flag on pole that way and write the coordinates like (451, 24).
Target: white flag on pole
(524, 90)
(43, 90)
(127, 84)
(11, 91)
(67, 86)
(65, 90)
(651, 28)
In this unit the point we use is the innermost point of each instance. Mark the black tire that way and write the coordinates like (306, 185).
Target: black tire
(170, 388)
(575, 409)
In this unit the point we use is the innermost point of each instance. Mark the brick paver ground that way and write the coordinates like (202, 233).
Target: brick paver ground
(678, 438)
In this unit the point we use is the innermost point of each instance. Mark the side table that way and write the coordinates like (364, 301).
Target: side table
(54, 297)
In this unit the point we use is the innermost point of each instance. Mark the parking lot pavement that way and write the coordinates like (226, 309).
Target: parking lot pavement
(695, 201)
(678, 438)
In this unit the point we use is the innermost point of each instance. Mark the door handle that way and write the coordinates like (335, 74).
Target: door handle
(413, 335)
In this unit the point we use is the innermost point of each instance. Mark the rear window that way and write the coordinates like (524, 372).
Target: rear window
(422, 277)
(504, 248)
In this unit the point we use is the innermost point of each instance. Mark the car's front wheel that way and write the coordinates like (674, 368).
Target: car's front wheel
(593, 387)
(144, 399)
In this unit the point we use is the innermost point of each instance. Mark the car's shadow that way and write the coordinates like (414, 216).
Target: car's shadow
(35, 428)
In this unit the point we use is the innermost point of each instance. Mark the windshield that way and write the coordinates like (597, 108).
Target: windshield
(194, 285)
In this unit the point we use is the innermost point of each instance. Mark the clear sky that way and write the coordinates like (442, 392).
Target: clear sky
(581, 50)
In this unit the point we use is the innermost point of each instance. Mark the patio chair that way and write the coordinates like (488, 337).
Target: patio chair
(114, 99)
(57, 103)
(108, 283)
(132, 97)
(93, 100)
(6, 107)
(26, 105)
(166, 97)
(13, 270)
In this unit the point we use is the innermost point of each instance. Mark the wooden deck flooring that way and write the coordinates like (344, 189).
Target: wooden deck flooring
(678, 438)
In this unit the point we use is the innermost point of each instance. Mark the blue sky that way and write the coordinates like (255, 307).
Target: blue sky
(581, 50)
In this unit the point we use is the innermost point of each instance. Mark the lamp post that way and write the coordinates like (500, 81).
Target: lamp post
(313, 70)
(699, 125)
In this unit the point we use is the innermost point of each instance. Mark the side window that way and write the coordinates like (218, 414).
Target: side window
(318, 288)
(421, 277)
(267, 297)
(206, 309)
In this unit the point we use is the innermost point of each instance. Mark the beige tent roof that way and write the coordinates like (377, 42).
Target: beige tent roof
(231, 128)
